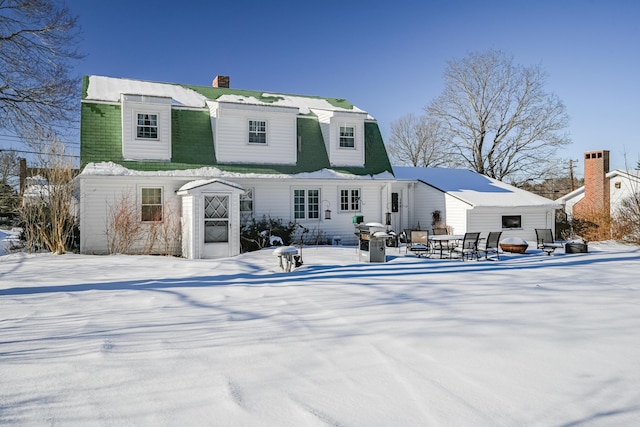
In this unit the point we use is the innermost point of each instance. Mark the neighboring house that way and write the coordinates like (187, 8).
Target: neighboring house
(468, 201)
(211, 158)
(216, 156)
(603, 189)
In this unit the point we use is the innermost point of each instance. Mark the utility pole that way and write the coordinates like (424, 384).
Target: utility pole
(571, 174)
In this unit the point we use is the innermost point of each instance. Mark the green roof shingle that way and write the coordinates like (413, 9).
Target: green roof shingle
(193, 144)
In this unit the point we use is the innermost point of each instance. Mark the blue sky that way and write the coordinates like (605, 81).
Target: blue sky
(388, 58)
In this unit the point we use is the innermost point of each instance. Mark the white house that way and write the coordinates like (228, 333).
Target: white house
(205, 160)
(464, 201)
(216, 156)
(603, 189)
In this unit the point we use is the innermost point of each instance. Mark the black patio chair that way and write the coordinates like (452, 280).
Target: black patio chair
(468, 248)
(490, 245)
(545, 240)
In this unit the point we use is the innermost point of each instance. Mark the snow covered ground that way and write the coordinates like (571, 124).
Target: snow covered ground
(530, 340)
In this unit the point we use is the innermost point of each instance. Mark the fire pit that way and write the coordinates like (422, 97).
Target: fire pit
(514, 245)
(576, 248)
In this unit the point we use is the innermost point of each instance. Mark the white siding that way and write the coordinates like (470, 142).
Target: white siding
(627, 188)
(324, 118)
(456, 214)
(231, 127)
(428, 200)
(489, 219)
(330, 123)
(98, 194)
(188, 240)
(274, 200)
(146, 149)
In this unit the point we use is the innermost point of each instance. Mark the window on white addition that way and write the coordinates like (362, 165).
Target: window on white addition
(347, 137)
(257, 132)
(306, 203)
(350, 200)
(147, 126)
(151, 206)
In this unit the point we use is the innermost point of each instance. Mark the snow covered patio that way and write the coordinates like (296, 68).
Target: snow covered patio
(530, 340)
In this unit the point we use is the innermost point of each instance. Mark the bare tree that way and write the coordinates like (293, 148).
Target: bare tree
(47, 212)
(127, 234)
(37, 46)
(9, 173)
(9, 167)
(417, 141)
(498, 118)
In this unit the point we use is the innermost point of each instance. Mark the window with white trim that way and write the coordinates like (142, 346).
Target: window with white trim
(151, 204)
(306, 203)
(350, 200)
(347, 137)
(511, 221)
(147, 126)
(257, 132)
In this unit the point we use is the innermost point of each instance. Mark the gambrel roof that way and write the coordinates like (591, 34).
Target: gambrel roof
(192, 139)
(475, 189)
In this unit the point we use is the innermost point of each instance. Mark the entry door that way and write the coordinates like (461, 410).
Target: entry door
(216, 226)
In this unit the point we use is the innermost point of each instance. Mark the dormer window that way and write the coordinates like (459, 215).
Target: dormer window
(147, 126)
(257, 132)
(347, 137)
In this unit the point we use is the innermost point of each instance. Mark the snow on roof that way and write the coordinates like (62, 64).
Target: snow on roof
(302, 103)
(114, 169)
(109, 89)
(474, 188)
(202, 182)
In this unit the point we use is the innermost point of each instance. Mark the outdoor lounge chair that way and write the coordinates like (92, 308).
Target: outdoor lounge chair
(468, 248)
(490, 245)
(420, 243)
(545, 240)
(405, 237)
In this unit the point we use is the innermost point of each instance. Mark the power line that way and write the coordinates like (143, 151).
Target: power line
(37, 152)
(14, 138)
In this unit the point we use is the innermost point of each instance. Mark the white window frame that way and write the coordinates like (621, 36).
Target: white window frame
(353, 201)
(257, 132)
(345, 137)
(515, 219)
(138, 126)
(159, 204)
(311, 203)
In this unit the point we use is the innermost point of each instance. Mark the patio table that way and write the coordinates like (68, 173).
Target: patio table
(443, 240)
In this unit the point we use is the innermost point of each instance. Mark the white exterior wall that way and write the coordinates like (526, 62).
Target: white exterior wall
(324, 119)
(146, 149)
(401, 219)
(489, 219)
(627, 188)
(330, 123)
(99, 193)
(272, 197)
(188, 224)
(231, 134)
(456, 215)
(275, 200)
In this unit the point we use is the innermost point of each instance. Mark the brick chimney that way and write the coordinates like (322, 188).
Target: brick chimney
(221, 81)
(596, 186)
